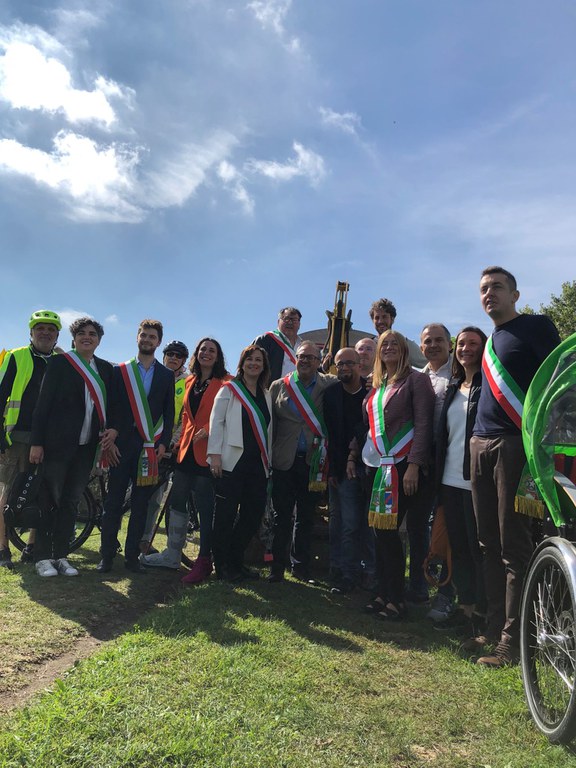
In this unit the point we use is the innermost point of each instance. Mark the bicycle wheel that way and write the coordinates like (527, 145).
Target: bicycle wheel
(85, 521)
(548, 639)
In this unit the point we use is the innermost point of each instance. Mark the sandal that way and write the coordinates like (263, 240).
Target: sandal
(375, 605)
(391, 612)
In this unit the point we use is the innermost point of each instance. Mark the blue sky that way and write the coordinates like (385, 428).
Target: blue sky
(208, 162)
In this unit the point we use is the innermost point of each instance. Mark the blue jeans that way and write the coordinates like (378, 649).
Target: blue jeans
(202, 489)
(347, 524)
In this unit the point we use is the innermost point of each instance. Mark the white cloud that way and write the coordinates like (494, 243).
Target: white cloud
(72, 22)
(234, 182)
(347, 122)
(95, 178)
(179, 177)
(33, 79)
(271, 15)
(69, 315)
(306, 163)
(111, 320)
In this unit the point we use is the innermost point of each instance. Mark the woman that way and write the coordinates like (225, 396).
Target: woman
(399, 411)
(239, 456)
(192, 473)
(453, 473)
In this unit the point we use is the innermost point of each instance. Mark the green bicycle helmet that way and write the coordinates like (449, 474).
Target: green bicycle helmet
(44, 316)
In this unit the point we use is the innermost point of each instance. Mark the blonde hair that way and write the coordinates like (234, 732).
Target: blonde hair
(379, 374)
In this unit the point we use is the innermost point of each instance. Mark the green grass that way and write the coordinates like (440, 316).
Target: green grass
(272, 676)
(43, 618)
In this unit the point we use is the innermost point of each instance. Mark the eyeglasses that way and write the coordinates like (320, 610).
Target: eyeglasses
(346, 364)
(305, 358)
(179, 355)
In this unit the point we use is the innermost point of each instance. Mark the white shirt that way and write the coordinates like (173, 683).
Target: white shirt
(456, 423)
(439, 380)
(287, 365)
(89, 405)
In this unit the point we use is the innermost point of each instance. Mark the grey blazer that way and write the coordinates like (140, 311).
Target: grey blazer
(288, 424)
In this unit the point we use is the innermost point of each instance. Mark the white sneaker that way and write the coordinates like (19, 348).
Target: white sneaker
(161, 560)
(46, 568)
(64, 568)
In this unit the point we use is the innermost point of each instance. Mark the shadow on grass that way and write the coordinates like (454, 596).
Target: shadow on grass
(105, 605)
(222, 612)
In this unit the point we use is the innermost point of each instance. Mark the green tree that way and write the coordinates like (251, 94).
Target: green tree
(561, 309)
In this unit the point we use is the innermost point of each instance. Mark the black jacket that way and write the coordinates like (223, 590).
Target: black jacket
(275, 355)
(338, 441)
(59, 414)
(160, 400)
(442, 437)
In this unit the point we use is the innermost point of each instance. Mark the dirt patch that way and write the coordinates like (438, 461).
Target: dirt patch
(37, 675)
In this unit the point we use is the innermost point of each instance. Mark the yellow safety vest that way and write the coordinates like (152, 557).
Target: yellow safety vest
(24, 370)
(179, 388)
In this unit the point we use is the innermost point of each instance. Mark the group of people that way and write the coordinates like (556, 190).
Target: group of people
(400, 430)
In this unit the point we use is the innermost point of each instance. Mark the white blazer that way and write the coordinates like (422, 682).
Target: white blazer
(225, 434)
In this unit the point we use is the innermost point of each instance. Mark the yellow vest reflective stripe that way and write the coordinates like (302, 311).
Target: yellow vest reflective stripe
(24, 370)
(179, 389)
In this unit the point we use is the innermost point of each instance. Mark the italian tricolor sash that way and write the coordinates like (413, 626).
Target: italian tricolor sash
(507, 393)
(97, 390)
(96, 386)
(284, 342)
(257, 420)
(314, 420)
(148, 461)
(383, 511)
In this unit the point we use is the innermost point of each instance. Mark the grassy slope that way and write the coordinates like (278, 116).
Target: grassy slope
(278, 675)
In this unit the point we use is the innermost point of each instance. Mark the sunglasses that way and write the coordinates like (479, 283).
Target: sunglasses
(179, 355)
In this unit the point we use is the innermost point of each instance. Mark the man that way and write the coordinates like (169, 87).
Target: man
(436, 346)
(21, 375)
(514, 352)
(68, 424)
(281, 344)
(348, 521)
(174, 356)
(383, 314)
(366, 349)
(298, 460)
(142, 426)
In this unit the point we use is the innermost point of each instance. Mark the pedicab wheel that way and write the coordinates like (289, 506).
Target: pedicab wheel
(86, 519)
(548, 640)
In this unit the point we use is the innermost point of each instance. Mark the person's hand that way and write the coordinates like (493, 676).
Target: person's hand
(201, 434)
(160, 451)
(113, 455)
(351, 473)
(36, 454)
(108, 438)
(333, 481)
(215, 464)
(410, 481)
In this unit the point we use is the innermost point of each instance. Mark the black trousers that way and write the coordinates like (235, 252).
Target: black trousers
(240, 504)
(390, 554)
(118, 481)
(289, 489)
(66, 480)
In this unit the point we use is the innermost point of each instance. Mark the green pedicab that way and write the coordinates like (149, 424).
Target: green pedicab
(548, 611)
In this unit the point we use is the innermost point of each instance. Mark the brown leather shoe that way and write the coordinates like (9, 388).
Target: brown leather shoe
(502, 656)
(476, 644)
